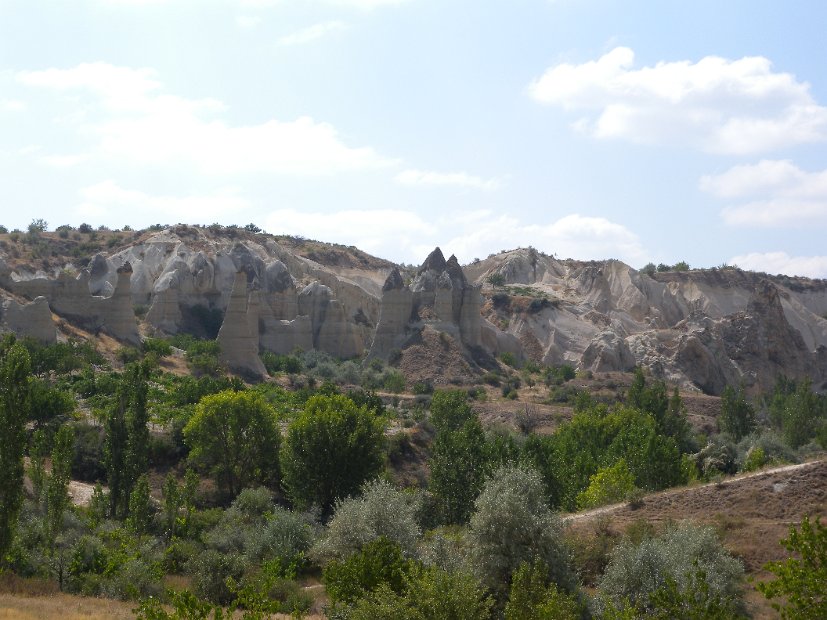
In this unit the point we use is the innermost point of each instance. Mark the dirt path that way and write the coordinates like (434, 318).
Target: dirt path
(734, 480)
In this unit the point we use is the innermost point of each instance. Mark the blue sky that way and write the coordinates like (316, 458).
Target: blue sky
(644, 131)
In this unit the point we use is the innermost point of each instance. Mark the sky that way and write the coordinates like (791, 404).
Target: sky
(638, 130)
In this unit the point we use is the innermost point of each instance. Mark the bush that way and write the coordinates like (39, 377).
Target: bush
(636, 572)
(532, 597)
(608, 486)
(210, 571)
(429, 593)
(508, 359)
(379, 562)
(394, 382)
(513, 524)
(380, 511)
(159, 347)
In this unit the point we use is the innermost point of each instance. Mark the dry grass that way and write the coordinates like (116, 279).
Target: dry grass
(63, 606)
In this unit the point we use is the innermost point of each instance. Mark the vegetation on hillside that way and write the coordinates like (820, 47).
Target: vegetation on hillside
(235, 495)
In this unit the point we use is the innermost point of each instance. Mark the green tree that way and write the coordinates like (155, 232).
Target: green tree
(332, 447)
(57, 496)
(140, 506)
(15, 369)
(458, 458)
(801, 580)
(126, 451)
(496, 280)
(235, 436)
(737, 413)
(115, 460)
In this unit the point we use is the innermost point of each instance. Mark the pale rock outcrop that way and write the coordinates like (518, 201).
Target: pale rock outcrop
(33, 320)
(395, 315)
(70, 297)
(337, 335)
(165, 311)
(237, 337)
(607, 351)
(440, 297)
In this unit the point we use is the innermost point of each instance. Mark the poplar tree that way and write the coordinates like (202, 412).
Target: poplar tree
(15, 399)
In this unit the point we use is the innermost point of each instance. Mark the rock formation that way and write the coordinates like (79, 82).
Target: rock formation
(441, 298)
(33, 320)
(238, 335)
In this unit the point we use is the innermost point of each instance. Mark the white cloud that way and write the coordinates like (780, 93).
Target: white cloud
(407, 236)
(772, 193)
(134, 119)
(105, 198)
(716, 104)
(311, 33)
(454, 179)
(781, 262)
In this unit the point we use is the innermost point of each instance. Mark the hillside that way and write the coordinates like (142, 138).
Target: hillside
(699, 329)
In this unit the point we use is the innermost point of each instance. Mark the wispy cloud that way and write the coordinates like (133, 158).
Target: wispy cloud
(312, 33)
(770, 193)
(715, 104)
(446, 179)
(136, 120)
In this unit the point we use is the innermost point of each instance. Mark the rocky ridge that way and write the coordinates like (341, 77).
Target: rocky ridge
(700, 329)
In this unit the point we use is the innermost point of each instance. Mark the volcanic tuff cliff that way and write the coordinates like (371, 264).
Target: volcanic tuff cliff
(702, 329)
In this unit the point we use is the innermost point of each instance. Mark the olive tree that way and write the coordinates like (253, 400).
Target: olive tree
(512, 524)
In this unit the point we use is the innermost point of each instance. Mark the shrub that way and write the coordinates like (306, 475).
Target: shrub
(508, 359)
(159, 347)
(429, 593)
(636, 572)
(513, 524)
(379, 562)
(532, 597)
(380, 511)
(423, 387)
(801, 580)
(210, 571)
(608, 486)
(394, 382)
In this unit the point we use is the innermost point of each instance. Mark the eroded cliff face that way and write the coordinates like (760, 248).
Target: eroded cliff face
(702, 329)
